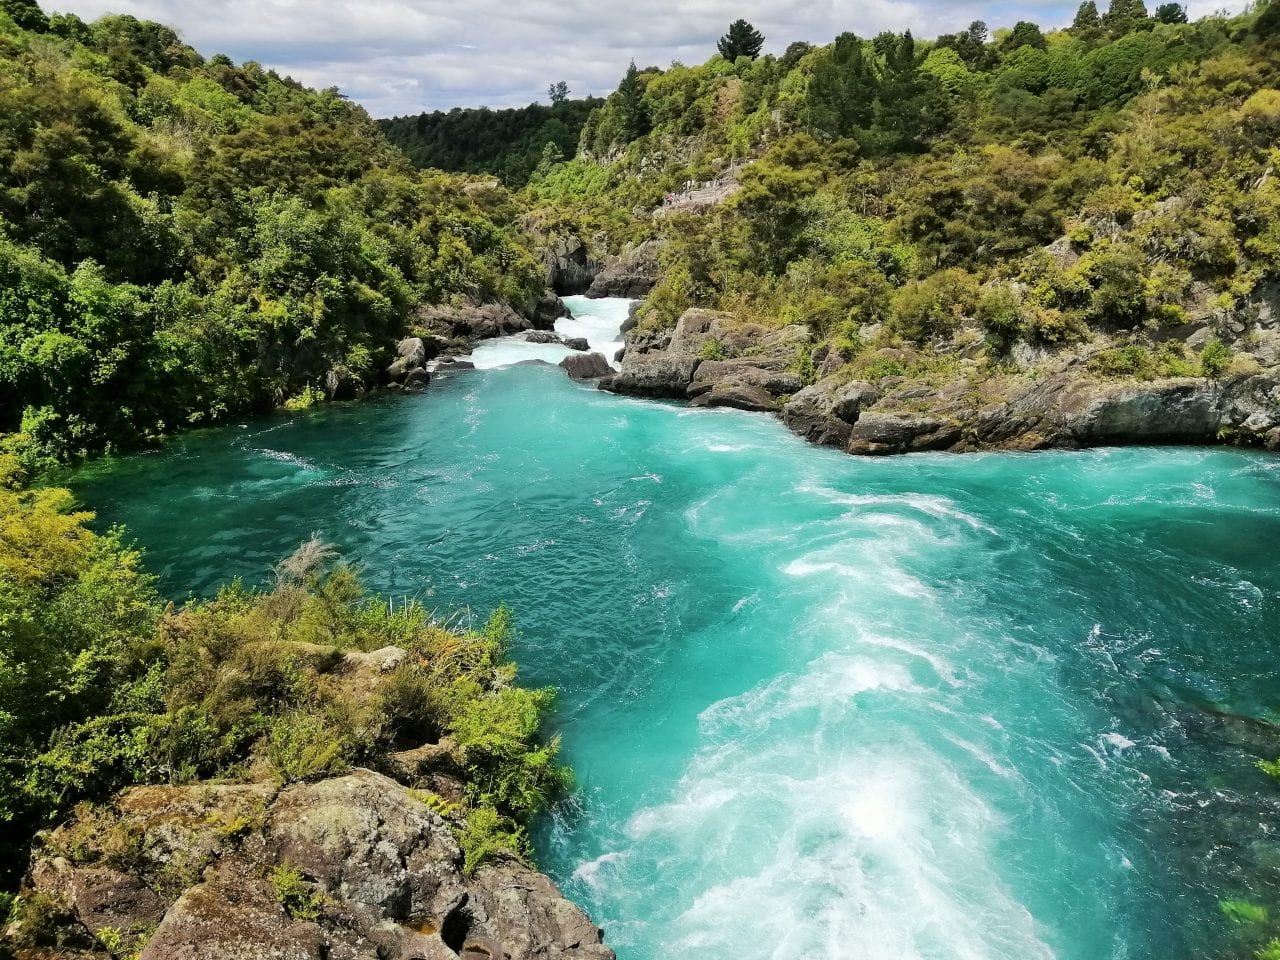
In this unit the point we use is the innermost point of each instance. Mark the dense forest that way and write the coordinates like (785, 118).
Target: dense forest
(1116, 177)
(183, 240)
(511, 144)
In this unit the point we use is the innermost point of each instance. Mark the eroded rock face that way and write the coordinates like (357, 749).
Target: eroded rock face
(472, 320)
(381, 877)
(570, 267)
(632, 274)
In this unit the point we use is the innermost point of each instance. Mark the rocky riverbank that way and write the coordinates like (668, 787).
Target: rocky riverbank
(363, 865)
(959, 398)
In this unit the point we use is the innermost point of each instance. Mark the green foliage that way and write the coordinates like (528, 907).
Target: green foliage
(934, 307)
(182, 241)
(712, 350)
(742, 40)
(1134, 361)
(101, 687)
(1243, 912)
(509, 144)
(1215, 357)
(299, 899)
(486, 835)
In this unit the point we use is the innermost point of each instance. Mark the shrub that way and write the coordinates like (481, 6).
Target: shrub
(300, 745)
(934, 306)
(712, 350)
(1215, 358)
(299, 900)
(488, 834)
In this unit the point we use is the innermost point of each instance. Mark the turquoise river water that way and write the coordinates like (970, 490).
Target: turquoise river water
(982, 707)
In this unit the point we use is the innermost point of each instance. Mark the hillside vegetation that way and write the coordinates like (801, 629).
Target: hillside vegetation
(1113, 179)
(183, 240)
(511, 144)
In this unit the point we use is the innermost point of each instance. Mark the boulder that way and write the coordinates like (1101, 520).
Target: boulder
(416, 380)
(472, 320)
(587, 366)
(653, 375)
(880, 433)
(738, 395)
(548, 309)
(413, 351)
(764, 374)
(445, 364)
(542, 336)
(576, 343)
(570, 267)
(809, 413)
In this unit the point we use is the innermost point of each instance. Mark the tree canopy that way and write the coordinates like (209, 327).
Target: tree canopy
(742, 40)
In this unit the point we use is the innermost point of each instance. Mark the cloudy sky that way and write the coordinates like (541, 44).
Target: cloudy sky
(404, 56)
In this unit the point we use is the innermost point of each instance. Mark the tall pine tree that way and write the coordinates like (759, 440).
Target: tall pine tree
(742, 40)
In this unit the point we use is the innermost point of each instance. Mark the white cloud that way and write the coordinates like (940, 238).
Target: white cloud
(403, 56)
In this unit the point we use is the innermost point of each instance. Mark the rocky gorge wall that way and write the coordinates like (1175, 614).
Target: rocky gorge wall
(1054, 400)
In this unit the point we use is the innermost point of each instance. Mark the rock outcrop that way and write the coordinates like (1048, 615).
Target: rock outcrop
(570, 267)
(472, 320)
(587, 366)
(353, 867)
(1069, 408)
(699, 361)
(631, 274)
(1042, 399)
(408, 371)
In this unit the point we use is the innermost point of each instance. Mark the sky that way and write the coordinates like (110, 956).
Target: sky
(405, 56)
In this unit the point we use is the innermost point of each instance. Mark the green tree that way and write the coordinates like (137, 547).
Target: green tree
(742, 40)
(1024, 34)
(1171, 13)
(26, 14)
(1124, 16)
(1087, 22)
(631, 106)
(558, 92)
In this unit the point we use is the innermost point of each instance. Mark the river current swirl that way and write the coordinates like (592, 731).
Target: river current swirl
(979, 707)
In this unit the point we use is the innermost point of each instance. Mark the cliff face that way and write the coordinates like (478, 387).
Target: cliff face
(954, 397)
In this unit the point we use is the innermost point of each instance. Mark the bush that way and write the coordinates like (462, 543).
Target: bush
(1215, 358)
(933, 307)
(299, 900)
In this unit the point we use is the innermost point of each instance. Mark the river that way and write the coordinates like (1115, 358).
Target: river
(975, 707)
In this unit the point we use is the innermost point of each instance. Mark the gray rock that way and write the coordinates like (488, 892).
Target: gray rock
(633, 273)
(653, 375)
(576, 343)
(542, 336)
(341, 383)
(587, 366)
(762, 373)
(547, 311)
(738, 395)
(416, 380)
(570, 267)
(413, 351)
(809, 413)
(880, 433)
(383, 866)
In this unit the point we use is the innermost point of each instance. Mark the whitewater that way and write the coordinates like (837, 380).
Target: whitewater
(945, 707)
